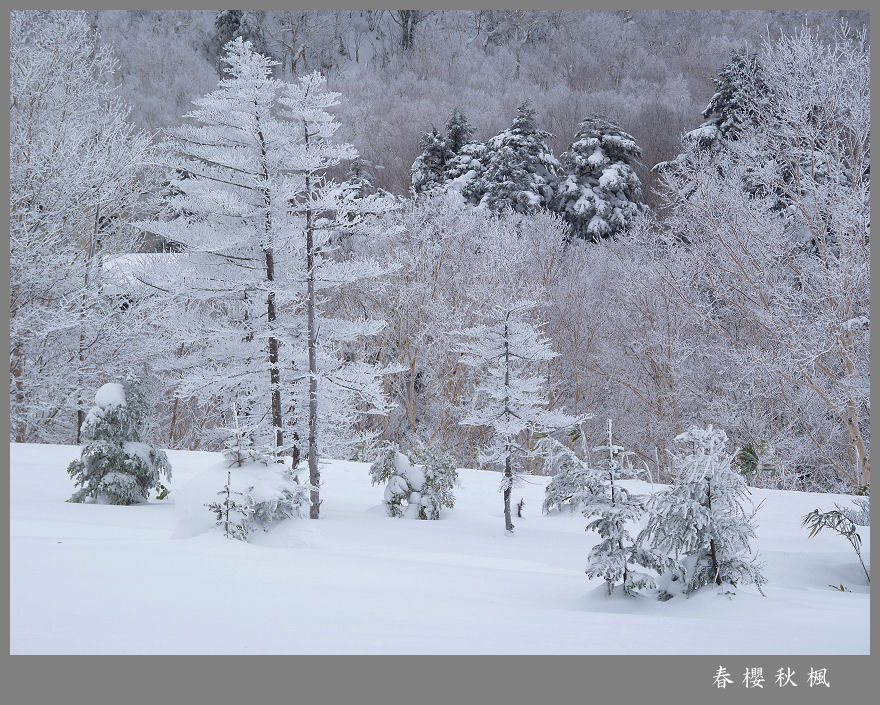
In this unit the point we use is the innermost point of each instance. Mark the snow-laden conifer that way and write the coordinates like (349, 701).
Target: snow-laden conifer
(417, 486)
(617, 556)
(601, 193)
(428, 170)
(519, 169)
(117, 465)
(574, 479)
(701, 523)
(510, 402)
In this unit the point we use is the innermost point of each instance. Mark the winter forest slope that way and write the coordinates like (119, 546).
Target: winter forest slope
(650, 71)
(106, 579)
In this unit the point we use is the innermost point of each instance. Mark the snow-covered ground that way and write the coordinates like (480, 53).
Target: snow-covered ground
(105, 579)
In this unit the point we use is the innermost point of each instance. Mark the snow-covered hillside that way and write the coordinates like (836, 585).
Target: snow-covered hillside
(140, 579)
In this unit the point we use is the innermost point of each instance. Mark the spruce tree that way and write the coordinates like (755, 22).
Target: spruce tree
(428, 170)
(117, 465)
(458, 131)
(601, 194)
(700, 523)
(520, 170)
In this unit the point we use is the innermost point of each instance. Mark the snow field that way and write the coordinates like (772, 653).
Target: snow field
(151, 579)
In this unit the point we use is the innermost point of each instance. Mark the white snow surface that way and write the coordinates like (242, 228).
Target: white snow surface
(98, 579)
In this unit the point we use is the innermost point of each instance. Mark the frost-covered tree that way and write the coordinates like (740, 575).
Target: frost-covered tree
(616, 557)
(231, 188)
(78, 175)
(701, 522)
(117, 466)
(601, 193)
(416, 486)
(261, 227)
(510, 402)
(519, 169)
(428, 170)
(458, 131)
(789, 310)
(574, 479)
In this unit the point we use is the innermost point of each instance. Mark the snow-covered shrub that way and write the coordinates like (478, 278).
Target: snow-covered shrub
(700, 523)
(257, 495)
(844, 520)
(440, 478)
(416, 490)
(116, 465)
(573, 478)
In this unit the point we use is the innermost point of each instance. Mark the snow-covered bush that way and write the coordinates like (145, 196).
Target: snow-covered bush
(418, 486)
(116, 465)
(257, 496)
(573, 478)
(440, 478)
(700, 523)
(260, 489)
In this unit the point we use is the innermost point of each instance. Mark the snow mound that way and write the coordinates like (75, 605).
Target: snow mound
(111, 394)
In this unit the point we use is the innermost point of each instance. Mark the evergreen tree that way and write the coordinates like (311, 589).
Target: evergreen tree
(416, 486)
(700, 522)
(601, 194)
(230, 24)
(428, 170)
(458, 131)
(574, 480)
(117, 465)
(510, 402)
(519, 167)
(732, 107)
(613, 508)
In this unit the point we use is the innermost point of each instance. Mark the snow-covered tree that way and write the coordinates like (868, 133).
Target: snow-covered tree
(574, 479)
(611, 509)
(78, 176)
(116, 465)
(701, 522)
(789, 310)
(510, 402)
(428, 170)
(458, 131)
(601, 193)
(519, 169)
(416, 486)
(261, 227)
